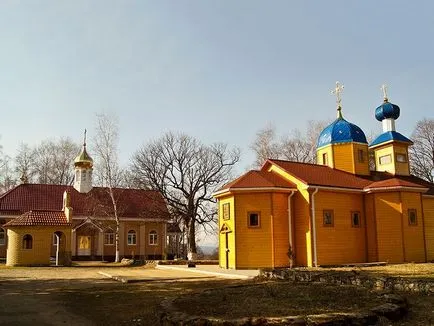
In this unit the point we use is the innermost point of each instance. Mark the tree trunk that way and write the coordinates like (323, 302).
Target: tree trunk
(192, 238)
(117, 242)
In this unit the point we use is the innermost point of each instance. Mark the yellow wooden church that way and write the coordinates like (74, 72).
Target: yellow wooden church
(334, 212)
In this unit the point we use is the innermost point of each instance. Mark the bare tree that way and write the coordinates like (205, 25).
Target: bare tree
(297, 146)
(7, 179)
(422, 152)
(265, 145)
(108, 172)
(50, 162)
(185, 172)
(24, 163)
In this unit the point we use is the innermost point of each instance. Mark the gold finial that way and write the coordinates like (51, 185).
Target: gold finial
(84, 138)
(384, 89)
(338, 92)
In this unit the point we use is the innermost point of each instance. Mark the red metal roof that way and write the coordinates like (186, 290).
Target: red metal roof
(130, 202)
(320, 175)
(39, 217)
(259, 179)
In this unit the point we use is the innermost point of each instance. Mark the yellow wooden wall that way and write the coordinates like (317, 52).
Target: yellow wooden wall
(302, 237)
(389, 227)
(361, 168)
(413, 235)
(254, 245)
(393, 167)
(231, 235)
(280, 229)
(345, 157)
(371, 228)
(428, 210)
(340, 243)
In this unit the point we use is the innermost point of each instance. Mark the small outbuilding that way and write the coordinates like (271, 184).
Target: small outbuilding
(32, 236)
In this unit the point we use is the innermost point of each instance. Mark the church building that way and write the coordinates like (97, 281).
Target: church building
(335, 212)
(41, 222)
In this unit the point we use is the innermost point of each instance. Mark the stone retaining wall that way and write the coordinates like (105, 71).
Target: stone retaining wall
(351, 278)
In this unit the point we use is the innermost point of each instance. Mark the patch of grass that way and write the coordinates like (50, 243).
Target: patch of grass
(420, 270)
(273, 299)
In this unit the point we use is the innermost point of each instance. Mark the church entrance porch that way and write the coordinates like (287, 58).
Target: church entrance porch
(87, 241)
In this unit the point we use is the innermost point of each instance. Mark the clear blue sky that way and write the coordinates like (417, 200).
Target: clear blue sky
(217, 70)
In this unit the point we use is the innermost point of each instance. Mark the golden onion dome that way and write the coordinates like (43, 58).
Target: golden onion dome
(83, 158)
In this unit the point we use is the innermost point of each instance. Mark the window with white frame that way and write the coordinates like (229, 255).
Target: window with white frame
(2, 237)
(131, 238)
(153, 238)
(109, 238)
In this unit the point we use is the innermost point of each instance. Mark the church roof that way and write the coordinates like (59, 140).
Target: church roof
(40, 218)
(390, 136)
(320, 175)
(131, 203)
(387, 110)
(259, 179)
(341, 131)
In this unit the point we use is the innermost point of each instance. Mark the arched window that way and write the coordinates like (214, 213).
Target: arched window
(2, 237)
(27, 242)
(153, 238)
(131, 237)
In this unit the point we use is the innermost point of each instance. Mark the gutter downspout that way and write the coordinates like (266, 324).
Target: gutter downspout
(315, 260)
(291, 246)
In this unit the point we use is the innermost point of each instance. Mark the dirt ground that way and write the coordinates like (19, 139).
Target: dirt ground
(83, 296)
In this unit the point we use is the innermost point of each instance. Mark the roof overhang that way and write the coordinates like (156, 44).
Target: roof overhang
(395, 188)
(328, 188)
(252, 189)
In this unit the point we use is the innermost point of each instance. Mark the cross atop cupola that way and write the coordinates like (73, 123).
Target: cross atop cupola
(338, 90)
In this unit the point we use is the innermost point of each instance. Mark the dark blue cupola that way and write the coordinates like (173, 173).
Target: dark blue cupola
(341, 131)
(387, 113)
(342, 145)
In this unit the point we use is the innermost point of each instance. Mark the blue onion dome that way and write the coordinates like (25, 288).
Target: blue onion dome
(341, 131)
(387, 110)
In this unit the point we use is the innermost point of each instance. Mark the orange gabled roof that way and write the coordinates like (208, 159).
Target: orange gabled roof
(319, 175)
(38, 218)
(393, 182)
(259, 179)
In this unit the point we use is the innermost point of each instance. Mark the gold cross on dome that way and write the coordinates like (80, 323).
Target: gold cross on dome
(338, 92)
(84, 138)
(384, 89)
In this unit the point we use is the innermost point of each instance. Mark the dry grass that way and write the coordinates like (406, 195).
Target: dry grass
(424, 271)
(273, 299)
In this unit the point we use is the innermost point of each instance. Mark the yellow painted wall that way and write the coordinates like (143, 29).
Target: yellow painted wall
(414, 248)
(389, 227)
(401, 168)
(325, 150)
(302, 237)
(371, 228)
(382, 151)
(340, 243)
(393, 167)
(280, 229)
(345, 157)
(428, 210)
(231, 235)
(361, 168)
(41, 249)
(301, 209)
(254, 245)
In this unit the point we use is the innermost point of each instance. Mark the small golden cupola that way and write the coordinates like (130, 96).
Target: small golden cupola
(83, 165)
(342, 145)
(390, 148)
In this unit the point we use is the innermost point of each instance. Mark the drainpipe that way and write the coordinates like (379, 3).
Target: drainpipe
(315, 261)
(290, 220)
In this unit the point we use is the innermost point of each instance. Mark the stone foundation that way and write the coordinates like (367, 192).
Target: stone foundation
(389, 283)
